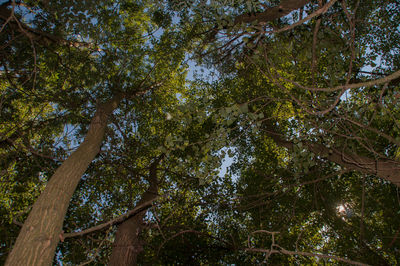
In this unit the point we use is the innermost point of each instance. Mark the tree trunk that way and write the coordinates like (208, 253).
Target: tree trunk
(127, 244)
(39, 236)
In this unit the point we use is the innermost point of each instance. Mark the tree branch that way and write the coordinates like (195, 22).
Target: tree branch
(280, 250)
(273, 13)
(34, 34)
(383, 168)
(312, 15)
(117, 220)
(369, 83)
(307, 254)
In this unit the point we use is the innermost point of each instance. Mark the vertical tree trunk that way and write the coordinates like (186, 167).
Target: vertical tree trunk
(127, 244)
(39, 236)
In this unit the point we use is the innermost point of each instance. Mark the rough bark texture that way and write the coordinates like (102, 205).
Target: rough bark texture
(127, 244)
(40, 234)
(273, 13)
(383, 168)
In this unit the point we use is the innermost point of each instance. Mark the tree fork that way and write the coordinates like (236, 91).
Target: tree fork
(40, 234)
(127, 245)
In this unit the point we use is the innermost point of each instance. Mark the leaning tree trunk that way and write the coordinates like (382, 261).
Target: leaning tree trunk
(127, 244)
(40, 234)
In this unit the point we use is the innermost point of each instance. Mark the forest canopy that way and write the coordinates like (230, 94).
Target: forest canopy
(222, 132)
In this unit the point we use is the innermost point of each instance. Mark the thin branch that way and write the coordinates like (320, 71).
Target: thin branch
(301, 21)
(372, 129)
(276, 249)
(144, 206)
(351, 19)
(394, 238)
(34, 34)
(319, 255)
(189, 231)
(30, 149)
(275, 79)
(370, 83)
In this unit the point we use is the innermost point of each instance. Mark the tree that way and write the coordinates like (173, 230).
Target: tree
(292, 59)
(301, 100)
(42, 229)
(308, 84)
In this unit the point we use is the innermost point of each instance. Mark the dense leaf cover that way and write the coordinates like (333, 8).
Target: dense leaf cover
(298, 98)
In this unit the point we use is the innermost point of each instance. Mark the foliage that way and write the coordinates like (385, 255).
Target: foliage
(307, 114)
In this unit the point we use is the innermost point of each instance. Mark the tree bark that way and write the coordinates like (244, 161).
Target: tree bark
(383, 168)
(273, 13)
(40, 234)
(128, 245)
